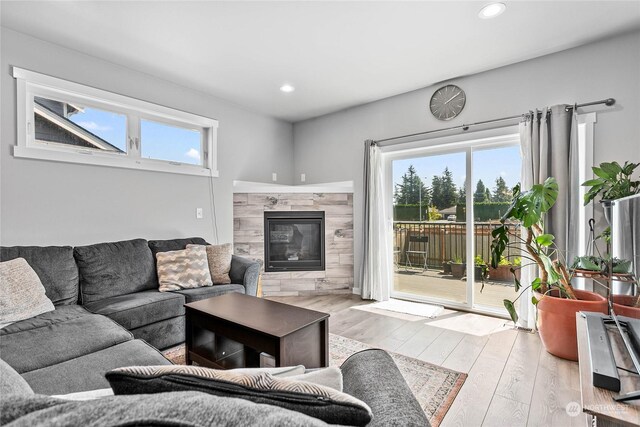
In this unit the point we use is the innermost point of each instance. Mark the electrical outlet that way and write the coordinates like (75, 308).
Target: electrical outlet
(303, 177)
(274, 177)
(199, 214)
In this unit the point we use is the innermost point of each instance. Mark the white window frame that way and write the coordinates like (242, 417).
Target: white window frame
(31, 84)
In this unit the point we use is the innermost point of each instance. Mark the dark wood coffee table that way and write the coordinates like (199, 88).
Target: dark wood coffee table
(231, 330)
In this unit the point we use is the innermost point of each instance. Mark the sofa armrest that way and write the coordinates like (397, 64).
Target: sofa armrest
(373, 377)
(245, 272)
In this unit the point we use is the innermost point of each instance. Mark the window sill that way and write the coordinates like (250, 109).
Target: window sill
(86, 157)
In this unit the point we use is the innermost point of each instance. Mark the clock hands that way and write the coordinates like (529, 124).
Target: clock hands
(452, 98)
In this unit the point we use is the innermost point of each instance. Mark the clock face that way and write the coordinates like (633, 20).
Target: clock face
(447, 102)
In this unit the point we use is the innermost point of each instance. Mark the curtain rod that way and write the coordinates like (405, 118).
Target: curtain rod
(608, 102)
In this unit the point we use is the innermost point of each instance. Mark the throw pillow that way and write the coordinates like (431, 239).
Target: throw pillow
(183, 269)
(219, 257)
(11, 382)
(328, 377)
(320, 402)
(23, 295)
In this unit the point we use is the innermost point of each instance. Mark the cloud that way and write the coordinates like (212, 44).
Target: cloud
(193, 153)
(93, 126)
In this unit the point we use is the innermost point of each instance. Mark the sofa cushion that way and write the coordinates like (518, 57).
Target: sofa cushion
(62, 313)
(140, 308)
(314, 400)
(11, 382)
(63, 378)
(23, 295)
(183, 269)
(55, 267)
(57, 339)
(184, 409)
(197, 294)
(173, 244)
(116, 268)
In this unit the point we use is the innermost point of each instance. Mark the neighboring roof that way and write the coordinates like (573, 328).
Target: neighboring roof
(448, 211)
(69, 126)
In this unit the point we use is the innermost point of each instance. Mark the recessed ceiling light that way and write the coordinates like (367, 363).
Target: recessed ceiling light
(491, 10)
(287, 88)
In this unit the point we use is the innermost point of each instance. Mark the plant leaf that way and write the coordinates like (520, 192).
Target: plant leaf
(536, 283)
(599, 172)
(612, 169)
(545, 239)
(534, 300)
(593, 182)
(511, 309)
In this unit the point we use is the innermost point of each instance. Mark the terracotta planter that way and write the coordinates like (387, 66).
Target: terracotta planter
(623, 306)
(503, 273)
(457, 270)
(557, 321)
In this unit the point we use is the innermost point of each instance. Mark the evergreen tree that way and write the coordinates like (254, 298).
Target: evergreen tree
(449, 191)
(487, 195)
(436, 192)
(480, 194)
(411, 190)
(462, 196)
(501, 192)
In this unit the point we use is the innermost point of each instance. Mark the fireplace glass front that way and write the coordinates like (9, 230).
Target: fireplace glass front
(294, 241)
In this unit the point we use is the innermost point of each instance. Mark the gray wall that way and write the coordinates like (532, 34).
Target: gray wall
(330, 148)
(62, 203)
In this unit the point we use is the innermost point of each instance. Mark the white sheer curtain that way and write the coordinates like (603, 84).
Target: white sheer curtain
(549, 145)
(376, 274)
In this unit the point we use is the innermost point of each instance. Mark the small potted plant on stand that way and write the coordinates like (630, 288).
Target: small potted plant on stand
(457, 268)
(614, 182)
(556, 301)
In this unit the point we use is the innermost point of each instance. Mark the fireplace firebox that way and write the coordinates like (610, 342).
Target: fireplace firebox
(294, 240)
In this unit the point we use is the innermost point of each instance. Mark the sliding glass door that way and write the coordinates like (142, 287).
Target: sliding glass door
(447, 198)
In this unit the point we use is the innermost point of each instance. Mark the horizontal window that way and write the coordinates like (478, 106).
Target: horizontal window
(64, 121)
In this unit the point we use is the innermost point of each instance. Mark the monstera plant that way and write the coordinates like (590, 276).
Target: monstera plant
(557, 301)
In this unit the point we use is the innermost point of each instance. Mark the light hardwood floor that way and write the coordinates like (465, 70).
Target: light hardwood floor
(512, 380)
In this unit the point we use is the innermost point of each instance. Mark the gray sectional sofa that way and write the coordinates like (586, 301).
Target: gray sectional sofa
(108, 308)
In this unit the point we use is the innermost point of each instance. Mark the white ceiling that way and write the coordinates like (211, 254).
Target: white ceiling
(337, 54)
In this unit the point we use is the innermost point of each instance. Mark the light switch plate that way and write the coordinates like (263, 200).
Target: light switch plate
(199, 214)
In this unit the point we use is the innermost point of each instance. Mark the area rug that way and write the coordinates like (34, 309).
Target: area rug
(414, 308)
(434, 387)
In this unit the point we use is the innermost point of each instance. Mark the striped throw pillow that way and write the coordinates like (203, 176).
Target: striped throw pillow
(184, 269)
(325, 403)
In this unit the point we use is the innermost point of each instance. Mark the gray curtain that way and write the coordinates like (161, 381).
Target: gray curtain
(553, 151)
(549, 144)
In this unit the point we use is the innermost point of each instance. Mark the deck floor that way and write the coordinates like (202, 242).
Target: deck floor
(435, 284)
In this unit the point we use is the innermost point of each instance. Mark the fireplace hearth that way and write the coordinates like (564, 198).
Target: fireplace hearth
(294, 240)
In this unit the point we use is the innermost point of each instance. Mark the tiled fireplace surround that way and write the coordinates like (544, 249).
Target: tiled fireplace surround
(248, 236)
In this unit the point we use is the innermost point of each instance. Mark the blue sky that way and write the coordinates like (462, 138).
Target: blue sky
(159, 141)
(487, 165)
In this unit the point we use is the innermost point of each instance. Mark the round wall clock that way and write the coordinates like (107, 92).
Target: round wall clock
(447, 102)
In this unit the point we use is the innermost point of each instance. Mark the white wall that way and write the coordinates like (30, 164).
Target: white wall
(330, 148)
(48, 203)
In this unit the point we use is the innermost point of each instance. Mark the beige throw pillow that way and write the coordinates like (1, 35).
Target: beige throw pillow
(184, 269)
(23, 295)
(219, 257)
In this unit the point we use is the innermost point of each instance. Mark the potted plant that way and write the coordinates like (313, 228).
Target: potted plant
(614, 182)
(556, 301)
(506, 269)
(446, 267)
(457, 268)
(480, 268)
